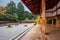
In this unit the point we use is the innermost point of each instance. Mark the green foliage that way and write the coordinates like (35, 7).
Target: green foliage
(37, 16)
(12, 18)
(54, 20)
(49, 21)
(20, 11)
(9, 26)
(2, 17)
(14, 13)
(11, 8)
(20, 7)
(29, 15)
(8, 17)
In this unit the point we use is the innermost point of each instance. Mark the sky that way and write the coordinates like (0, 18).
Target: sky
(4, 3)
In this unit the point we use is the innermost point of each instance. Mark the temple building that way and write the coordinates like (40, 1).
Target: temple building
(46, 9)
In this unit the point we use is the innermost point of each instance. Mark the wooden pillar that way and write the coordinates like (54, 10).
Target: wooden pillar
(52, 21)
(56, 19)
(56, 23)
(43, 20)
(43, 16)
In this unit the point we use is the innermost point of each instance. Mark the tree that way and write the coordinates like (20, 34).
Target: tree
(29, 15)
(11, 8)
(20, 7)
(3, 17)
(10, 17)
(20, 11)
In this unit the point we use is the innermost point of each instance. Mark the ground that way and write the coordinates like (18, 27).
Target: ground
(34, 34)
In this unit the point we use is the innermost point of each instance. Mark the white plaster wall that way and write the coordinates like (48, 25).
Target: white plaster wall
(49, 14)
(50, 10)
(58, 5)
(54, 8)
(58, 11)
(54, 14)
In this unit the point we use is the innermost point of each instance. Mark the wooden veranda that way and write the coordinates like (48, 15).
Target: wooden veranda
(46, 9)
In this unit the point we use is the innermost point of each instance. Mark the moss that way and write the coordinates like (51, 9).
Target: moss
(9, 26)
(25, 25)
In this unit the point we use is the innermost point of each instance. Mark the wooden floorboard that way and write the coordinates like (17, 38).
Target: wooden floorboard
(34, 34)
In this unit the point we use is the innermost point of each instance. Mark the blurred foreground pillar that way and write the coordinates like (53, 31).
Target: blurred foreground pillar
(43, 19)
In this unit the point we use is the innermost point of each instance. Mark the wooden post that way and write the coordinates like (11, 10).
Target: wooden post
(43, 19)
(56, 23)
(56, 19)
(52, 23)
(43, 15)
